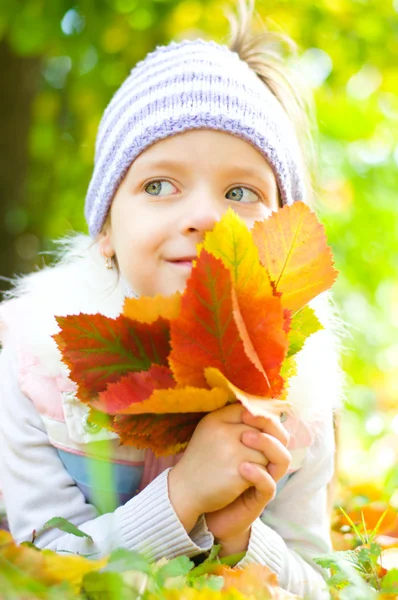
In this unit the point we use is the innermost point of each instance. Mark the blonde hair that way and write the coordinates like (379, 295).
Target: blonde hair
(267, 54)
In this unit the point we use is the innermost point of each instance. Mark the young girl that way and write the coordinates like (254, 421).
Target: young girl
(196, 128)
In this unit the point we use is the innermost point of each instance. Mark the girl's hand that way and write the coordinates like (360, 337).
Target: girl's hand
(231, 524)
(210, 475)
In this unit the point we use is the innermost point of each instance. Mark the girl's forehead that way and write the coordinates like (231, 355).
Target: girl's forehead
(215, 147)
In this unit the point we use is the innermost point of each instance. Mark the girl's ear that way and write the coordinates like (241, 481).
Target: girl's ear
(105, 243)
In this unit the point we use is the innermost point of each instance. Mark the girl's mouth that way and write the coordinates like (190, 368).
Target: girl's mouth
(184, 262)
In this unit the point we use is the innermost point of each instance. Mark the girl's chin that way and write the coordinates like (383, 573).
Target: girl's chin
(169, 284)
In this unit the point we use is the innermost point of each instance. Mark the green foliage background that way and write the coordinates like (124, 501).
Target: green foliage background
(75, 54)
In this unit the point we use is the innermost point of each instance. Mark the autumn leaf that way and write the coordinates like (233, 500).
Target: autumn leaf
(148, 309)
(164, 434)
(232, 242)
(46, 566)
(166, 421)
(23, 558)
(191, 593)
(70, 568)
(99, 350)
(262, 326)
(371, 514)
(206, 334)
(304, 323)
(258, 312)
(293, 248)
(251, 402)
(254, 581)
(133, 388)
(179, 400)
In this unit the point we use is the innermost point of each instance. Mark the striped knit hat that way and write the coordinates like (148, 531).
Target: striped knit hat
(182, 86)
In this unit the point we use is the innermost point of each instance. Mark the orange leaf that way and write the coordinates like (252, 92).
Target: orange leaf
(254, 581)
(258, 312)
(372, 513)
(133, 388)
(293, 248)
(179, 400)
(99, 350)
(262, 326)
(147, 309)
(163, 434)
(205, 334)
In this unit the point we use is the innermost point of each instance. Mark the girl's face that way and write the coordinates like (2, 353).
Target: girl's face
(175, 192)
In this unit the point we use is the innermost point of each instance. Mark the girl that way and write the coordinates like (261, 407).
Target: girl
(196, 128)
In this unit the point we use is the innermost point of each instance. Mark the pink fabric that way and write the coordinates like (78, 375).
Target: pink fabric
(154, 466)
(301, 434)
(44, 391)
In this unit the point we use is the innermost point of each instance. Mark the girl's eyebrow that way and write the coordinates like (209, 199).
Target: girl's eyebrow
(230, 171)
(238, 171)
(168, 165)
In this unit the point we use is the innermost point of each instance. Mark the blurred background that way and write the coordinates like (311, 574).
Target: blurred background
(60, 62)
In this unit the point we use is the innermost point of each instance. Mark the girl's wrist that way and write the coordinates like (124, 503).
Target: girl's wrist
(236, 544)
(183, 506)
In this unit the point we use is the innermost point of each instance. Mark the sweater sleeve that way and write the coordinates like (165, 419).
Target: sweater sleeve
(295, 526)
(36, 487)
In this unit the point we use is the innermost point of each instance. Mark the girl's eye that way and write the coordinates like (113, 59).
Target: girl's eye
(242, 194)
(160, 188)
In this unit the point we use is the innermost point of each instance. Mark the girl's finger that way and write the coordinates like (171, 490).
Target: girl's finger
(268, 424)
(231, 413)
(279, 458)
(264, 486)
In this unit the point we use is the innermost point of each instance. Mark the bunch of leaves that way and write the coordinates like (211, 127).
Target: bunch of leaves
(366, 572)
(155, 370)
(27, 572)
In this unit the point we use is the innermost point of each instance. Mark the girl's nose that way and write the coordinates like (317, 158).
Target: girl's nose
(202, 213)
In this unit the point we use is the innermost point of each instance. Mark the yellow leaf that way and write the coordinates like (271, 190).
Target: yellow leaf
(189, 593)
(70, 568)
(232, 242)
(256, 405)
(180, 400)
(147, 309)
(47, 567)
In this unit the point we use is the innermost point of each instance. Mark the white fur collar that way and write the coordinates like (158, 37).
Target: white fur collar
(79, 282)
